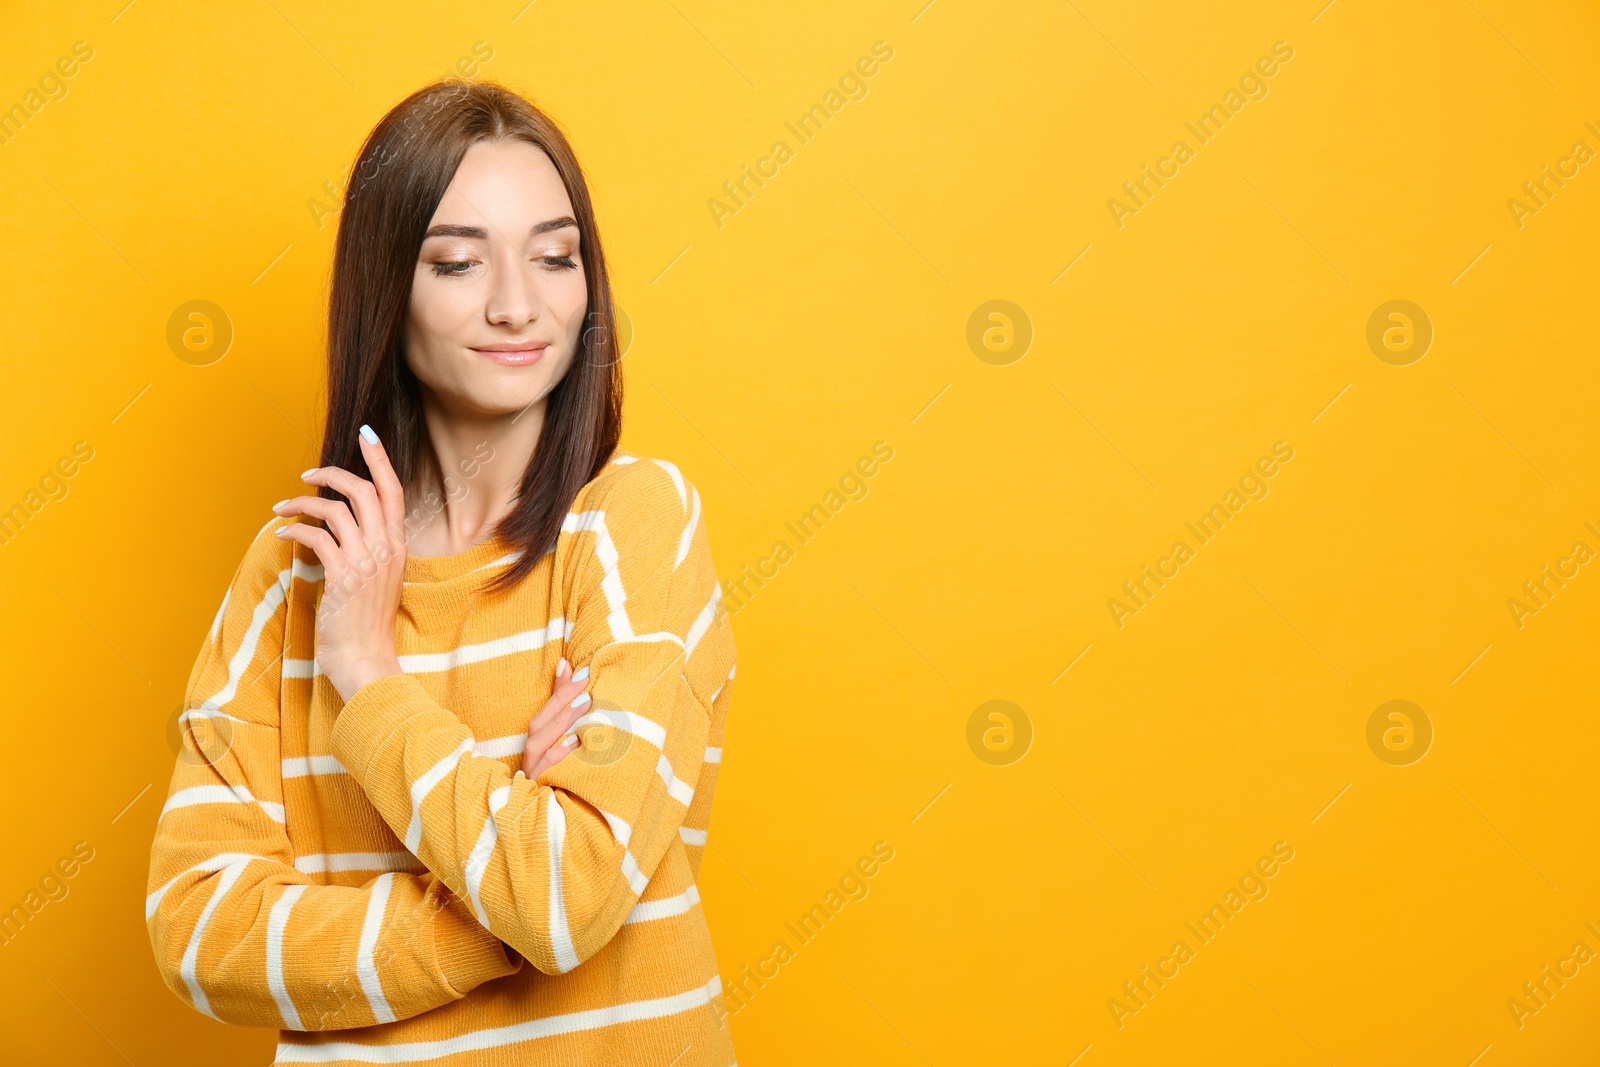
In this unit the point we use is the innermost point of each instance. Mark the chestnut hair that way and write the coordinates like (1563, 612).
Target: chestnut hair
(400, 175)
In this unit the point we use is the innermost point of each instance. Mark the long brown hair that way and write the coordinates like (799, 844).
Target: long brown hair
(398, 179)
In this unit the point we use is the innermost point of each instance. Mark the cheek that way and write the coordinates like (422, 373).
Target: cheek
(433, 327)
(570, 302)
(441, 312)
(442, 305)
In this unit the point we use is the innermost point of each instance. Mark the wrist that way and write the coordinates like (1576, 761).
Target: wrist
(349, 678)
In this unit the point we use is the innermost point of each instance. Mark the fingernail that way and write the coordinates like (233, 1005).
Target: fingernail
(367, 435)
(519, 774)
(281, 531)
(583, 698)
(583, 672)
(562, 667)
(279, 504)
(571, 739)
(309, 472)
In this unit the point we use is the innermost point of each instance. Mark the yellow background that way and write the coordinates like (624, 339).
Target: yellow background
(770, 354)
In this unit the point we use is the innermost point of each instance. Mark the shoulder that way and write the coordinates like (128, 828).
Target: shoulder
(268, 554)
(270, 563)
(644, 510)
(255, 595)
(641, 491)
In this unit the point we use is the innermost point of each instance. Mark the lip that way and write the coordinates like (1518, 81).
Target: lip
(513, 353)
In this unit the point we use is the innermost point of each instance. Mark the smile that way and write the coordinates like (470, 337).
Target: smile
(520, 356)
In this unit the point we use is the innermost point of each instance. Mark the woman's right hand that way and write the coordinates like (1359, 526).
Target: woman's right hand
(566, 705)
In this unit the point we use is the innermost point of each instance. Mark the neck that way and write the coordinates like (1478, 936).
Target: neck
(480, 461)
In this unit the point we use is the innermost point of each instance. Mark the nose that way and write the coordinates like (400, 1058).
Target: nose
(514, 291)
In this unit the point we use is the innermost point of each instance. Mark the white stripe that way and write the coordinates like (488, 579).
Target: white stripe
(191, 955)
(301, 766)
(630, 866)
(327, 862)
(691, 836)
(560, 936)
(277, 921)
(628, 722)
(688, 531)
(509, 557)
(478, 862)
(497, 747)
(210, 863)
(306, 572)
(646, 910)
(366, 970)
(216, 622)
(630, 870)
(246, 651)
(659, 636)
(675, 474)
(219, 794)
(211, 713)
(501, 1036)
(678, 789)
(557, 629)
(703, 621)
(619, 829)
(623, 457)
(300, 668)
(430, 662)
(610, 579)
(424, 785)
(713, 753)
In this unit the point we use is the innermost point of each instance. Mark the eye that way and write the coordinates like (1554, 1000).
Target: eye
(446, 269)
(558, 262)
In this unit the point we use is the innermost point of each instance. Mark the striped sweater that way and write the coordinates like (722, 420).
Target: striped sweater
(378, 879)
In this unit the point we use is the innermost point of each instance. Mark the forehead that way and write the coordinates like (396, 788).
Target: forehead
(510, 184)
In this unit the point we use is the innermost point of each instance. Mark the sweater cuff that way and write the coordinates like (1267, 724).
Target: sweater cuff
(469, 961)
(372, 713)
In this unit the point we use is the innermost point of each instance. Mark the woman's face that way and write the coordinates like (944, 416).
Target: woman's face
(498, 298)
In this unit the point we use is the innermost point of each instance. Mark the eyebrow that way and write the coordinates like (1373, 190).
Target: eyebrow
(445, 229)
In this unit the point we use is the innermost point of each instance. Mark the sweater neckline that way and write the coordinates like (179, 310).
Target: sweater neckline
(422, 569)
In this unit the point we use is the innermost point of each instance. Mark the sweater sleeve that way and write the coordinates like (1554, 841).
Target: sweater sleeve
(238, 930)
(554, 866)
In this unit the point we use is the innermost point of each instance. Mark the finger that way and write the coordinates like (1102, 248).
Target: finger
(539, 743)
(564, 694)
(391, 494)
(362, 496)
(332, 512)
(553, 756)
(552, 730)
(319, 541)
(565, 739)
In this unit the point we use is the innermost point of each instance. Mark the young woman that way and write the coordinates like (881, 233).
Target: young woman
(452, 738)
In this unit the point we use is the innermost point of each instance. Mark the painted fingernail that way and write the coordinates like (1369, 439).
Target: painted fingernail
(282, 531)
(367, 435)
(279, 504)
(562, 667)
(583, 672)
(309, 472)
(583, 698)
(519, 774)
(571, 740)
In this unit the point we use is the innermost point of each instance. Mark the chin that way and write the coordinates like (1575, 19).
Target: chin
(490, 400)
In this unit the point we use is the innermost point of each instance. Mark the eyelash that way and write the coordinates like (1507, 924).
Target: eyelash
(443, 271)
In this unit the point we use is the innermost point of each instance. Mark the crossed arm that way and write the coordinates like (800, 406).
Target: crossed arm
(549, 867)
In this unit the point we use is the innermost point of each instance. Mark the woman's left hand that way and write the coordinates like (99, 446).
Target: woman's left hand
(363, 560)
